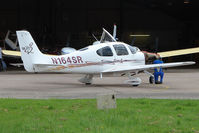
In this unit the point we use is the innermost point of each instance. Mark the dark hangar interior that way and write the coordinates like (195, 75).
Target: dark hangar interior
(168, 24)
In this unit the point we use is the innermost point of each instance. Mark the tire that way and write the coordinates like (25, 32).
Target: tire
(158, 82)
(135, 85)
(151, 79)
(87, 83)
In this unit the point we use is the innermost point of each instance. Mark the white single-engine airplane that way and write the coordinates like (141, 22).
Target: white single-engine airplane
(107, 57)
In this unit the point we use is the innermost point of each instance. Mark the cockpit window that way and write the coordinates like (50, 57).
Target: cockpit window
(133, 49)
(105, 51)
(120, 49)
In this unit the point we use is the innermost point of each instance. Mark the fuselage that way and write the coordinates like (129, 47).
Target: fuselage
(96, 58)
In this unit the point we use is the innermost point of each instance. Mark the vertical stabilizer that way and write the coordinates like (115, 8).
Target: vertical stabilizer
(29, 50)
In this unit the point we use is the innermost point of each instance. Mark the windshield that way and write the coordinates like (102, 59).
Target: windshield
(133, 49)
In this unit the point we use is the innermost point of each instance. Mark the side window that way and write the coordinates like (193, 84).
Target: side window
(120, 49)
(105, 51)
(132, 49)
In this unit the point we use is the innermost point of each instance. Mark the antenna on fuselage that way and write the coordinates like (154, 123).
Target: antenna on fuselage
(97, 41)
(95, 37)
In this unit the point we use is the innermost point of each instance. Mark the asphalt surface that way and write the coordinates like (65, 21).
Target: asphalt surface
(178, 84)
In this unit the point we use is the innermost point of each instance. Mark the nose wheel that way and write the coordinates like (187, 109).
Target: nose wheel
(151, 79)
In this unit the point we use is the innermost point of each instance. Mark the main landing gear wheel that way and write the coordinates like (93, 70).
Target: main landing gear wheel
(134, 81)
(87, 79)
(151, 79)
(135, 85)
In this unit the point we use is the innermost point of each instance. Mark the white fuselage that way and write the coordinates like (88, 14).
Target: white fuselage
(106, 57)
(88, 61)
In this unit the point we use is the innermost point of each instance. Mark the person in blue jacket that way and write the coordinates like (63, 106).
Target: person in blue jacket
(158, 72)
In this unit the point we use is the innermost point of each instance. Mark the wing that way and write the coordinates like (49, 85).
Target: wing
(11, 53)
(145, 67)
(179, 52)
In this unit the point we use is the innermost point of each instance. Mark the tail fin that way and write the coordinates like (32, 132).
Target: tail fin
(29, 50)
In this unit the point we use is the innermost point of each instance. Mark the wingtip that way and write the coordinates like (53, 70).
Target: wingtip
(189, 62)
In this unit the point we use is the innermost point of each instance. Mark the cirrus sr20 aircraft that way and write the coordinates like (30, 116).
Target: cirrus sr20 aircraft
(108, 57)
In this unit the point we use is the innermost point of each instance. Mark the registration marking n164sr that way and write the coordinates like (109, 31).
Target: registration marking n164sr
(67, 60)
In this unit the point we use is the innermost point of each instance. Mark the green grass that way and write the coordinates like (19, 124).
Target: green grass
(73, 116)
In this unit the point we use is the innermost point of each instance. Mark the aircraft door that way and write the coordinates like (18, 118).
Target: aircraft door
(122, 56)
(106, 56)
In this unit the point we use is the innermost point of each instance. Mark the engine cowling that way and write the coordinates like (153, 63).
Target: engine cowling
(150, 57)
